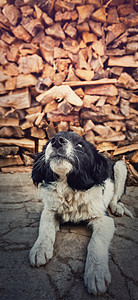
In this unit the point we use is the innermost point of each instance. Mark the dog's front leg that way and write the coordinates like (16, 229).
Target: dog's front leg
(97, 275)
(42, 250)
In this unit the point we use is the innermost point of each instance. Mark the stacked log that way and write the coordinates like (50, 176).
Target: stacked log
(67, 65)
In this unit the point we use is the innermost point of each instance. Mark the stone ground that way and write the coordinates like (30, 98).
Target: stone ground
(62, 277)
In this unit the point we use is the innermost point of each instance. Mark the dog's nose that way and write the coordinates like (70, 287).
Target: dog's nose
(57, 141)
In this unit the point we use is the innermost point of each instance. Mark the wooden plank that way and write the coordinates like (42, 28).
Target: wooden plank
(93, 82)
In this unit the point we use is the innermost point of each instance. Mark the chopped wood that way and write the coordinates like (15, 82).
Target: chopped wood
(9, 122)
(30, 64)
(6, 150)
(134, 158)
(10, 84)
(99, 15)
(90, 46)
(23, 142)
(37, 133)
(19, 100)
(25, 80)
(85, 74)
(11, 13)
(134, 99)
(11, 132)
(127, 81)
(71, 45)
(56, 31)
(60, 92)
(96, 28)
(62, 126)
(124, 61)
(115, 30)
(10, 161)
(32, 26)
(84, 12)
(125, 149)
(106, 146)
(15, 169)
(107, 90)
(41, 144)
(89, 37)
(50, 130)
(21, 33)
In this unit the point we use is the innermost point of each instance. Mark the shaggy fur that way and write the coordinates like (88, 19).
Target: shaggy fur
(78, 184)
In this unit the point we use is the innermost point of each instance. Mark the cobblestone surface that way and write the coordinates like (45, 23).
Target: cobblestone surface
(62, 277)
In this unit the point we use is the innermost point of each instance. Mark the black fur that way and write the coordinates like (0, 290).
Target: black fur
(89, 167)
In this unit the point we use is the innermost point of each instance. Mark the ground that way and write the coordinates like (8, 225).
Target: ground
(62, 277)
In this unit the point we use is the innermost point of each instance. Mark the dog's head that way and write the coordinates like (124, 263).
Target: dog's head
(68, 156)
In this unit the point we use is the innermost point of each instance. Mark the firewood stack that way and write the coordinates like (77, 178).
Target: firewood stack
(68, 65)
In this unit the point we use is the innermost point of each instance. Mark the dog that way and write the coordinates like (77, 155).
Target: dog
(78, 184)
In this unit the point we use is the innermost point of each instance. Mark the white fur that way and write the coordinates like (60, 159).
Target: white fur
(73, 205)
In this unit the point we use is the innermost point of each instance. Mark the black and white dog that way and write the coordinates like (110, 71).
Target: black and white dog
(78, 184)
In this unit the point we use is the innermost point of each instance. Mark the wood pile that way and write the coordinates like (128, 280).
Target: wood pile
(68, 65)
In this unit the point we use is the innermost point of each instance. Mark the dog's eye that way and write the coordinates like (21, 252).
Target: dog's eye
(80, 145)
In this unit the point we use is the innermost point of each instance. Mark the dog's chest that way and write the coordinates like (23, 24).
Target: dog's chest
(73, 205)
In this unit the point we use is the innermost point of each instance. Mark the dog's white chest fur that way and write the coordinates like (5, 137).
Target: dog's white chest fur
(75, 205)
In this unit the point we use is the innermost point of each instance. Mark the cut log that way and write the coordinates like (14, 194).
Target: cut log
(62, 126)
(60, 92)
(32, 26)
(125, 149)
(38, 133)
(106, 146)
(115, 30)
(24, 142)
(71, 31)
(56, 31)
(21, 33)
(89, 37)
(105, 90)
(6, 150)
(10, 84)
(85, 74)
(124, 61)
(9, 122)
(96, 28)
(25, 80)
(7, 132)
(127, 81)
(99, 15)
(18, 100)
(16, 169)
(30, 64)
(11, 13)
(71, 45)
(50, 130)
(10, 161)
(84, 12)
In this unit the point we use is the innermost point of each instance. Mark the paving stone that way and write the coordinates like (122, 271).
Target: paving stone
(62, 277)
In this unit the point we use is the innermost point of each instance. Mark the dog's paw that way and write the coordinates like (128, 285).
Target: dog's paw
(40, 253)
(117, 209)
(96, 278)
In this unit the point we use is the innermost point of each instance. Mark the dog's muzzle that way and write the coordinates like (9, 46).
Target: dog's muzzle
(58, 142)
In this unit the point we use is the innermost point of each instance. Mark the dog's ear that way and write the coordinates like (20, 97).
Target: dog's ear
(41, 170)
(100, 169)
(38, 171)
